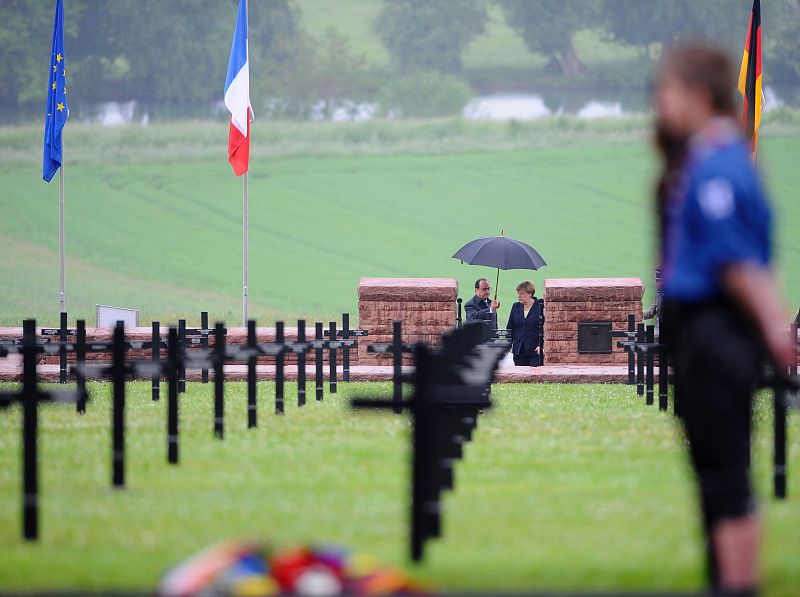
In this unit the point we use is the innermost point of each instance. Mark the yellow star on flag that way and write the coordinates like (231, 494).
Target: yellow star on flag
(54, 68)
(54, 86)
(60, 107)
(58, 58)
(65, 90)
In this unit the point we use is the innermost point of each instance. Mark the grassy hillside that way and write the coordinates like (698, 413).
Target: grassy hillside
(154, 214)
(563, 488)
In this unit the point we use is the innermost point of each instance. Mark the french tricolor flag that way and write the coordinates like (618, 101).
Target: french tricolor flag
(237, 96)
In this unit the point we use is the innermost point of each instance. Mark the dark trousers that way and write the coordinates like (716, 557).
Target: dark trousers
(717, 363)
(527, 360)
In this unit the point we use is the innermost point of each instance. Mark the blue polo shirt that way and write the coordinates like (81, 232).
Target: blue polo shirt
(720, 217)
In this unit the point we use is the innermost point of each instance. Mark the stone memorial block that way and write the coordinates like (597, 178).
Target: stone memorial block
(426, 306)
(573, 304)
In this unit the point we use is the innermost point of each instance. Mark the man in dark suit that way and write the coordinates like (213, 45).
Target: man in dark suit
(479, 307)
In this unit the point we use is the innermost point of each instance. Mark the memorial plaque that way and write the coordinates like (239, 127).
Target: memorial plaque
(354, 333)
(594, 337)
(501, 334)
(57, 331)
(203, 331)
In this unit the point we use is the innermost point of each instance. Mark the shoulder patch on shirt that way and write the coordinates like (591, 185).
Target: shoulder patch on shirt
(716, 199)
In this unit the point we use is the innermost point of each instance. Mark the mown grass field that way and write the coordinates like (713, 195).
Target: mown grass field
(563, 488)
(153, 214)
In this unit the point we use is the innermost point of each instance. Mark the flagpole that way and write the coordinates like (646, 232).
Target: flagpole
(62, 295)
(246, 209)
(245, 249)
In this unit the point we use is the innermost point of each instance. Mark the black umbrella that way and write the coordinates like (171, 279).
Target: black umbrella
(500, 252)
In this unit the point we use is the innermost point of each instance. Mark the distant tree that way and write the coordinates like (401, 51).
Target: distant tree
(149, 50)
(780, 23)
(425, 94)
(662, 22)
(340, 75)
(152, 50)
(177, 51)
(324, 73)
(277, 45)
(424, 35)
(548, 27)
(26, 32)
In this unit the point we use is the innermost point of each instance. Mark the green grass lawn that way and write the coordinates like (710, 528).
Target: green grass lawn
(153, 214)
(562, 488)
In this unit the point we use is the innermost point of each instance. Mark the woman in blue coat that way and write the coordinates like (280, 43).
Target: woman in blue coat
(523, 326)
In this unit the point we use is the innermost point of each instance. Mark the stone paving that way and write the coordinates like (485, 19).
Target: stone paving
(11, 370)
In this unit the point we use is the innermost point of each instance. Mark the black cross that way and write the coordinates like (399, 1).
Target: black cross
(451, 387)
(29, 397)
(396, 349)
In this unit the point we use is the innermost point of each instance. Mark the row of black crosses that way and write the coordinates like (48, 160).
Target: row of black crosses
(199, 337)
(173, 370)
(640, 342)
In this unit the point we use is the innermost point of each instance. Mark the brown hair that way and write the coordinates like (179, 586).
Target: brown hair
(527, 286)
(706, 67)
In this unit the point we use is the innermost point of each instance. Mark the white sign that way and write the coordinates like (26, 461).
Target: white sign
(107, 317)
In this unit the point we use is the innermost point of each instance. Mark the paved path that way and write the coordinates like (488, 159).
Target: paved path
(11, 370)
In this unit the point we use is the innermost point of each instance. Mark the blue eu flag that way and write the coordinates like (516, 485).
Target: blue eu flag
(57, 111)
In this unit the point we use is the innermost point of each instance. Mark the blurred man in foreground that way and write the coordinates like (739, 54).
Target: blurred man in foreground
(722, 314)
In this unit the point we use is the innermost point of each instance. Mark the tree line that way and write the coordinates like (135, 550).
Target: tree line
(425, 34)
(177, 51)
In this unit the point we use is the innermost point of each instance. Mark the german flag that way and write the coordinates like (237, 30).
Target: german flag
(750, 78)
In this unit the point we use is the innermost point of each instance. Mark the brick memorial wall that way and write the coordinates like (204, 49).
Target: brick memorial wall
(426, 306)
(236, 336)
(569, 301)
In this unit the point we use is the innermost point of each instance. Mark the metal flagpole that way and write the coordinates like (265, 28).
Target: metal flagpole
(62, 295)
(245, 201)
(245, 272)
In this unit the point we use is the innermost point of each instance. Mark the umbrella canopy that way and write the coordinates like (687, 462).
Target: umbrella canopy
(500, 252)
